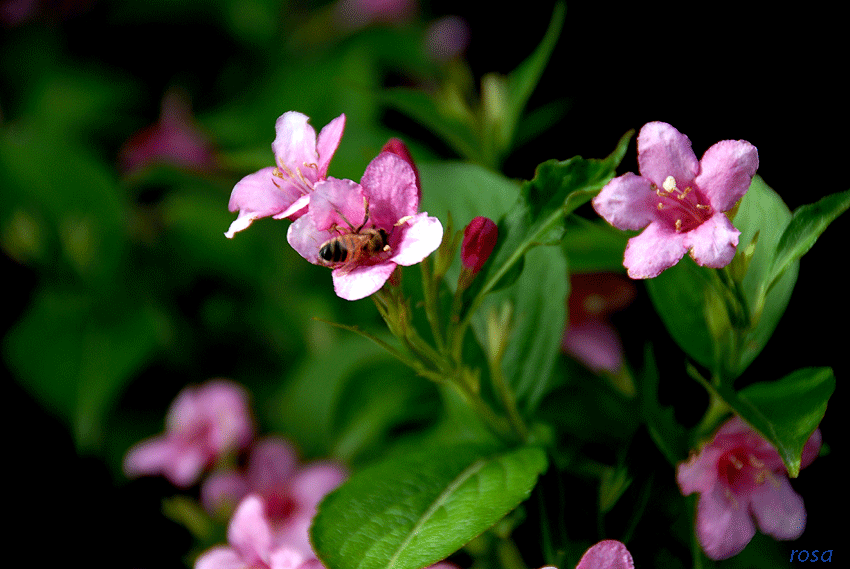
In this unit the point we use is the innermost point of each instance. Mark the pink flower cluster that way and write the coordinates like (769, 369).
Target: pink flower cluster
(739, 477)
(361, 231)
(274, 498)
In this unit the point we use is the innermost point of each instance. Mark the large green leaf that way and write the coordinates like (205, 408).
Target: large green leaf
(418, 508)
(806, 225)
(684, 294)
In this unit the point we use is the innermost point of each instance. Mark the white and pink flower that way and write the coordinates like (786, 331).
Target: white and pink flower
(679, 200)
(203, 423)
(384, 203)
(283, 191)
(740, 477)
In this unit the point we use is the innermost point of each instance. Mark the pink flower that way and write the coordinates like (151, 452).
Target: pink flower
(203, 423)
(740, 476)
(302, 161)
(590, 338)
(479, 239)
(174, 139)
(355, 14)
(252, 544)
(679, 200)
(447, 38)
(607, 554)
(363, 231)
(290, 493)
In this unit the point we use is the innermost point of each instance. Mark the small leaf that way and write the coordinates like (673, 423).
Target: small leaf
(806, 225)
(787, 412)
(415, 509)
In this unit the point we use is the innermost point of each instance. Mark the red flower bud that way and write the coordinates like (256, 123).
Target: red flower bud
(479, 238)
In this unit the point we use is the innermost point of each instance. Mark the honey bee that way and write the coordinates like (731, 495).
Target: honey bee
(349, 250)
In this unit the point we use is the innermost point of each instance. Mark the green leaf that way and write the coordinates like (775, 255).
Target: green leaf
(522, 81)
(537, 218)
(75, 357)
(806, 225)
(787, 412)
(415, 509)
(684, 295)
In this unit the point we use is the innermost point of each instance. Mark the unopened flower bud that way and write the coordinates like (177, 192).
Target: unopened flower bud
(479, 238)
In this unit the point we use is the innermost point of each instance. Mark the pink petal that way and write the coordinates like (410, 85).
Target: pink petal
(421, 237)
(222, 491)
(595, 344)
(294, 145)
(361, 281)
(626, 202)
(272, 461)
(390, 183)
(664, 151)
(249, 531)
(724, 525)
(608, 554)
(699, 473)
(656, 249)
(259, 195)
(285, 558)
(220, 557)
(315, 481)
(185, 466)
(727, 168)
(150, 456)
(778, 509)
(296, 210)
(303, 236)
(713, 243)
(328, 142)
(811, 449)
(338, 203)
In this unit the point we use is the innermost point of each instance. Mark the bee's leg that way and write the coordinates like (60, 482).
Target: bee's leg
(366, 217)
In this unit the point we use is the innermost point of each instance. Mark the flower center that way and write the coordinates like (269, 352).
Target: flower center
(297, 178)
(683, 209)
(738, 468)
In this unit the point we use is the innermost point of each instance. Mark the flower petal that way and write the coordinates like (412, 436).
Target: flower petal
(390, 183)
(595, 344)
(607, 554)
(699, 473)
(294, 145)
(272, 461)
(664, 151)
(315, 481)
(713, 243)
(328, 142)
(338, 203)
(257, 195)
(778, 509)
(656, 249)
(724, 525)
(361, 281)
(421, 237)
(249, 531)
(303, 236)
(220, 557)
(811, 449)
(726, 170)
(626, 202)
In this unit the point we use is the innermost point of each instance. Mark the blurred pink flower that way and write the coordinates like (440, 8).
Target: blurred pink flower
(252, 544)
(447, 38)
(354, 14)
(679, 200)
(290, 493)
(740, 476)
(203, 423)
(363, 231)
(607, 554)
(590, 338)
(174, 139)
(302, 161)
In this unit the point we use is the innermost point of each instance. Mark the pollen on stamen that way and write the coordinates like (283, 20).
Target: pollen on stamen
(669, 184)
(679, 225)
